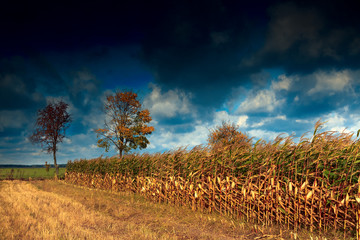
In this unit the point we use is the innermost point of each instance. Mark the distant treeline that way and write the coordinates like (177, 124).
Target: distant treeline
(29, 166)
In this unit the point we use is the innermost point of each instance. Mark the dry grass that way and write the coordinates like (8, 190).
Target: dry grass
(151, 220)
(33, 214)
(55, 210)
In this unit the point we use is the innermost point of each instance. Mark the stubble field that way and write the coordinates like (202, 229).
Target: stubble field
(56, 210)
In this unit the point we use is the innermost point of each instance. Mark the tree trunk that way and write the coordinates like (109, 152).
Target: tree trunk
(120, 152)
(56, 166)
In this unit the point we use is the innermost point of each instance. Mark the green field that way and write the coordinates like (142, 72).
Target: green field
(25, 173)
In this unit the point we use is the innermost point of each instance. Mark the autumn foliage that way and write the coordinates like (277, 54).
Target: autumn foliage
(127, 123)
(51, 123)
(228, 135)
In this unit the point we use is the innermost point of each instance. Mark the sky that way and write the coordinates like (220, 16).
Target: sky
(271, 67)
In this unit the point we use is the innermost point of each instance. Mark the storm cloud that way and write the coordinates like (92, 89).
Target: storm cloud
(270, 67)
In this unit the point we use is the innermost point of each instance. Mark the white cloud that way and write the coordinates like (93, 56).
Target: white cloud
(94, 119)
(39, 153)
(283, 83)
(167, 140)
(223, 116)
(264, 134)
(267, 120)
(355, 123)
(333, 81)
(242, 121)
(259, 124)
(335, 122)
(342, 121)
(168, 104)
(262, 101)
(83, 146)
(302, 121)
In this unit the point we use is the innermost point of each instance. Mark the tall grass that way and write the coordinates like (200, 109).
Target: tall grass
(311, 184)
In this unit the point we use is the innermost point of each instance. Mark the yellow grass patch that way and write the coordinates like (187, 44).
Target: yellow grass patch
(28, 213)
(56, 210)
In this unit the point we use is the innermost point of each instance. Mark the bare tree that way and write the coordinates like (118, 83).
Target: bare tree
(51, 123)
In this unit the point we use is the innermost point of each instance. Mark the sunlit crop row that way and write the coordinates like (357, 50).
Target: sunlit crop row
(311, 184)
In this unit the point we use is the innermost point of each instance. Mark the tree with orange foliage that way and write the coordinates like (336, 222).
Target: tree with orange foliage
(51, 124)
(227, 135)
(126, 125)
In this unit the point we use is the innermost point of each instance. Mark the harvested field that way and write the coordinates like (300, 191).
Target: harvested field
(56, 210)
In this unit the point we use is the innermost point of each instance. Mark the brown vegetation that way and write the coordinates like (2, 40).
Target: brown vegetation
(228, 135)
(311, 185)
(55, 210)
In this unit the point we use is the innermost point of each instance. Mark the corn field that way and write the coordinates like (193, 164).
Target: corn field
(312, 184)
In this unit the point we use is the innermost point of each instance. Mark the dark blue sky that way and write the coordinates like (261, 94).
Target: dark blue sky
(273, 67)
